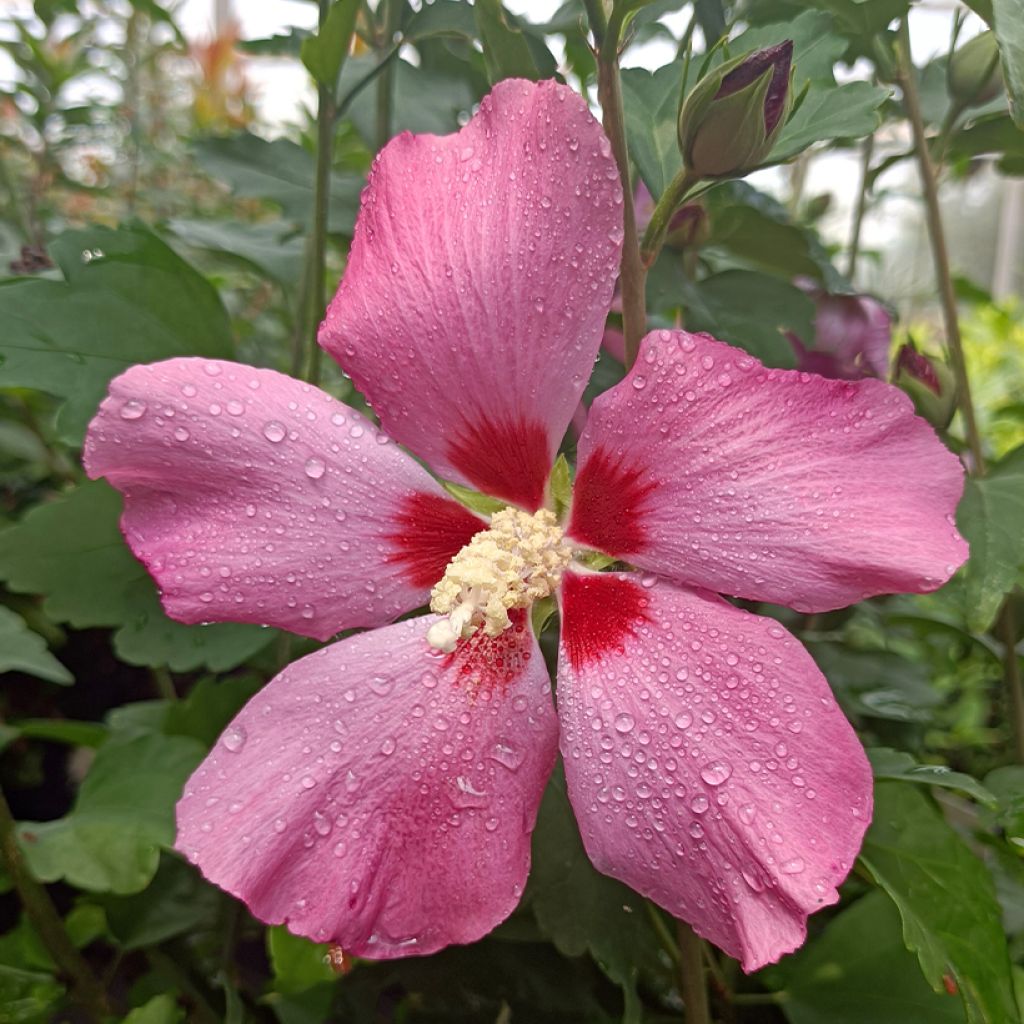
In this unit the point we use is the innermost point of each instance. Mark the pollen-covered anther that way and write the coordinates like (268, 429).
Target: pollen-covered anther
(519, 560)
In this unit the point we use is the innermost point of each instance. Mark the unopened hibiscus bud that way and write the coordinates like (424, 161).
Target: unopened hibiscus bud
(974, 75)
(852, 334)
(929, 382)
(689, 227)
(731, 119)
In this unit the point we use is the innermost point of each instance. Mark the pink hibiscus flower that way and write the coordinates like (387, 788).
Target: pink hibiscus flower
(381, 792)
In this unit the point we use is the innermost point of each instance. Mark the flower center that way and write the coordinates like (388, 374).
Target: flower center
(519, 560)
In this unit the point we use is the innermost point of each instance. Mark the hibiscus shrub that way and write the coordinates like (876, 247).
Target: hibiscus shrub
(602, 608)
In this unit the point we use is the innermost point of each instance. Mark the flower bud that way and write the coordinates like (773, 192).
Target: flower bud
(929, 382)
(974, 75)
(689, 227)
(852, 334)
(734, 114)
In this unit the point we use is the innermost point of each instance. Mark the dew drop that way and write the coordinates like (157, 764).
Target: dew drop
(234, 738)
(133, 409)
(315, 468)
(274, 431)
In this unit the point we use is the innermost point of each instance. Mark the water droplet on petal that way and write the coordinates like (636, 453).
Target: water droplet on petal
(315, 468)
(234, 738)
(274, 431)
(133, 409)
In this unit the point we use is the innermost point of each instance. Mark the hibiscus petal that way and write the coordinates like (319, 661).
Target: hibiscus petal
(706, 760)
(772, 485)
(475, 295)
(252, 497)
(379, 795)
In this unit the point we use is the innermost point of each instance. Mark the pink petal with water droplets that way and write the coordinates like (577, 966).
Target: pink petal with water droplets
(766, 484)
(252, 497)
(475, 295)
(706, 760)
(378, 795)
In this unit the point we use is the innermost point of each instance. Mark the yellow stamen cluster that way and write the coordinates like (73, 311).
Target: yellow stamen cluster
(519, 560)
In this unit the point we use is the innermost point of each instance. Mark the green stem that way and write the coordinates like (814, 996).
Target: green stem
(164, 683)
(940, 254)
(668, 943)
(866, 154)
(318, 239)
(39, 908)
(386, 83)
(1011, 673)
(632, 276)
(691, 975)
(671, 199)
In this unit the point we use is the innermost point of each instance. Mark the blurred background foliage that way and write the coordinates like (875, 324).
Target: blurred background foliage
(158, 165)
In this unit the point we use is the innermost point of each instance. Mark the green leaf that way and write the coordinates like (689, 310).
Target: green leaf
(651, 107)
(161, 1009)
(123, 815)
(758, 229)
(71, 551)
(1008, 24)
(1007, 784)
(21, 650)
(506, 52)
(876, 684)
(441, 18)
(426, 99)
(137, 302)
(837, 112)
(995, 135)
(272, 247)
(298, 963)
(27, 997)
(582, 911)
(864, 17)
(209, 707)
(895, 765)
(751, 310)
(325, 53)
(280, 172)
(484, 504)
(63, 730)
(859, 972)
(989, 518)
(175, 902)
(946, 900)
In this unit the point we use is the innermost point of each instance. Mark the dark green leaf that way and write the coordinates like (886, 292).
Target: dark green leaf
(751, 310)
(651, 107)
(876, 684)
(279, 172)
(21, 650)
(209, 707)
(990, 516)
(325, 53)
(1008, 24)
(758, 230)
(161, 1009)
(837, 112)
(946, 900)
(71, 551)
(123, 815)
(136, 302)
(272, 247)
(63, 730)
(441, 18)
(27, 997)
(506, 52)
(1007, 784)
(175, 902)
(897, 766)
(298, 964)
(864, 17)
(859, 972)
(582, 911)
